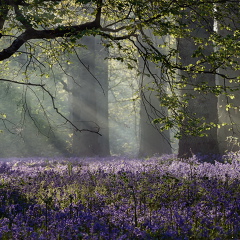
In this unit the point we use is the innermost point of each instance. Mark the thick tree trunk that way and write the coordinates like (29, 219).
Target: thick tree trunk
(89, 102)
(229, 135)
(101, 72)
(201, 105)
(152, 140)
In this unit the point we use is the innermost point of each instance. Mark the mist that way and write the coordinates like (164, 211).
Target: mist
(97, 93)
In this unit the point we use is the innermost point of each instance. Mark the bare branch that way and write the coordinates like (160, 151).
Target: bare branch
(87, 68)
(53, 103)
(22, 83)
(67, 120)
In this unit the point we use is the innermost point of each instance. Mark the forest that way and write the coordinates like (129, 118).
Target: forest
(119, 119)
(70, 69)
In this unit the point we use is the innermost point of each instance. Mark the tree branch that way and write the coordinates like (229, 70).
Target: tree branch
(3, 14)
(21, 18)
(103, 34)
(99, 11)
(67, 120)
(63, 31)
(30, 34)
(22, 83)
(53, 103)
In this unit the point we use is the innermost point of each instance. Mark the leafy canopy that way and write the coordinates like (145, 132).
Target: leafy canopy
(40, 31)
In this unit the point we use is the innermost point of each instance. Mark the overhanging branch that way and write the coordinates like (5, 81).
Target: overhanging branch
(66, 31)
(22, 83)
(31, 34)
(53, 102)
(65, 118)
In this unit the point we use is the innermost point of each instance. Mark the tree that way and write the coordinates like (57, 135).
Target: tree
(45, 24)
(102, 96)
(201, 108)
(153, 141)
(228, 103)
(192, 99)
(123, 105)
(44, 30)
(89, 100)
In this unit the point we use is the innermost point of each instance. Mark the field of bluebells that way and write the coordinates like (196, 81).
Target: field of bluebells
(119, 198)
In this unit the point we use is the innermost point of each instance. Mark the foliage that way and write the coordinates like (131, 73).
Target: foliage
(155, 198)
(45, 30)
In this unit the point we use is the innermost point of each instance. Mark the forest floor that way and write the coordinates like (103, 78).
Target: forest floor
(119, 198)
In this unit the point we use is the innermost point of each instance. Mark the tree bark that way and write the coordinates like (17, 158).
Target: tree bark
(229, 135)
(201, 104)
(152, 140)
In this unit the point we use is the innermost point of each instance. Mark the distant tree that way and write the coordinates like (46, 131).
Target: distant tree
(101, 71)
(153, 141)
(89, 100)
(123, 105)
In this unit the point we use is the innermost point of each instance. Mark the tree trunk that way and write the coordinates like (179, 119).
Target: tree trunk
(229, 135)
(152, 140)
(101, 72)
(201, 105)
(89, 101)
